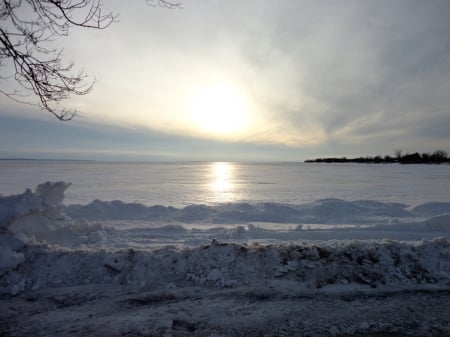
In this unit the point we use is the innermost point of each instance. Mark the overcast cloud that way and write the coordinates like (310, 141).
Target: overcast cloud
(321, 78)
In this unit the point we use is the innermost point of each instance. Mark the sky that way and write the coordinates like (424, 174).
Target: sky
(252, 80)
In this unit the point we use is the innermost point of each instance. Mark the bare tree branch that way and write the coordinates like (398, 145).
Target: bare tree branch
(26, 27)
(165, 4)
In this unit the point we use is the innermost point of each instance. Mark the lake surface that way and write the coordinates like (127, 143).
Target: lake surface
(185, 183)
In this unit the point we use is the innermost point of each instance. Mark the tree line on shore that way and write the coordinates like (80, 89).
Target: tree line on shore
(437, 157)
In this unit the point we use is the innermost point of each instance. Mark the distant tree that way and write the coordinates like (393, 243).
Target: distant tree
(439, 156)
(411, 158)
(426, 158)
(26, 27)
(388, 159)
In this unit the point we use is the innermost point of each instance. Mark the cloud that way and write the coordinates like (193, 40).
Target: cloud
(329, 76)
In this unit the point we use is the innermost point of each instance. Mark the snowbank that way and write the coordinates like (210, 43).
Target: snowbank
(431, 208)
(41, 247)
(321, 211)
(377, 264)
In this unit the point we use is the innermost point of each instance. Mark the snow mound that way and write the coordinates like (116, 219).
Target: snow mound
(118, 210)
(46, 200)
(10, 257)
(321, 211)
(431, 208)
(326, 209)
(36, 217)
(440, 222)
(346, 264)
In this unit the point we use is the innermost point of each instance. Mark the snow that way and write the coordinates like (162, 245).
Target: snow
(321, 211)
(201, 253)
(439, 222)
(432, 208)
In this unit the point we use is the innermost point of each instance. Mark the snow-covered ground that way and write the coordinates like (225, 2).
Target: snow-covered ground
(328, 267)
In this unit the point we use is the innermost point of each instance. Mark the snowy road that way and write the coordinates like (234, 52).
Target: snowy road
(244, 311)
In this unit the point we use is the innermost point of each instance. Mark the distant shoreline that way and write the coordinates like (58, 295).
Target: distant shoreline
(437, 157)
(359, 160)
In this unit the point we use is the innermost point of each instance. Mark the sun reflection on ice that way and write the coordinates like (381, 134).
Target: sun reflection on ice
(222, 181)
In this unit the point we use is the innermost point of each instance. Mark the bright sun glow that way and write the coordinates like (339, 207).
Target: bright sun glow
(220, 109)
(222, 176)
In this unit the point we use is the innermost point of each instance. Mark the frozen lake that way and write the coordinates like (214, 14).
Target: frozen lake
(181, 184)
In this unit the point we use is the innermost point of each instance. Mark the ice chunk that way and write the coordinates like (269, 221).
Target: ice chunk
(52, 193)
(47, 200)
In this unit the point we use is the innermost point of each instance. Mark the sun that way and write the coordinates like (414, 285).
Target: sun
(219, 109)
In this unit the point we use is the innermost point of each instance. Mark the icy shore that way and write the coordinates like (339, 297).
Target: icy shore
(43, 249)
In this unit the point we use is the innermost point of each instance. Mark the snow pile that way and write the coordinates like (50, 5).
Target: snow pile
(439, 222)
(26, 214)
(33, 217)
(10, 255)
(36, 217)
(431, 208)
(118, 210)
(321, 211)
(344, 264)
(46, 202)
